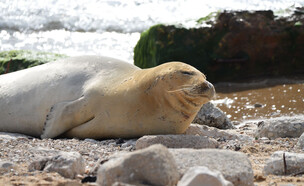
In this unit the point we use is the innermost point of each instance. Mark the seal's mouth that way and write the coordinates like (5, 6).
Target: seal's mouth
(204, 90)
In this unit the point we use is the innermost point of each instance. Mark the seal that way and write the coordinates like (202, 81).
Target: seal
(100, 97)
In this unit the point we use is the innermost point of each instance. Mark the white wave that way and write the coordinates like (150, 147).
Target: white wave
(103, 27)
(110, 44)
(226, 101)
(117, 15)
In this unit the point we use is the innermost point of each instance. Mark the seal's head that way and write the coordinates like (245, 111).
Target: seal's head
(178, 78)
(181, 87)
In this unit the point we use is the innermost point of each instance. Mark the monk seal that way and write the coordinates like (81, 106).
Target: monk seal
(100, 97)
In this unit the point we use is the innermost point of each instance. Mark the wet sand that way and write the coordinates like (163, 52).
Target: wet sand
(262, 99)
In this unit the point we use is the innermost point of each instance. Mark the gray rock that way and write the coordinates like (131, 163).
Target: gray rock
(6, 166)
(44, 151)
(203, 130)
(126, 184)
(300, 143)
(90, 140)
(67, 164)
(212, 116)
(68, 183)
(177, 141)
(275, 164)
(258, 105)
(235, 166)
(202, 176)
(130, 143)
(283, 127)
(153, 166)
(12, 136)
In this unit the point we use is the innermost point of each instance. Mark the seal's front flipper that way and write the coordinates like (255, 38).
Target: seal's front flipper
(65, 116)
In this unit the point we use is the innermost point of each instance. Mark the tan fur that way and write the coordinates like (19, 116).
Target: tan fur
(146, 102)
(125, 101)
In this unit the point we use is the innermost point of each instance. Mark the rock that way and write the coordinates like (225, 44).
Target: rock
(235, 166)
(291, 127)
(275, 164)
(6, 166)
(126, 184)
(13, 136)
(229, 48)
(130, 143)
(90, 140)
(67, 164)
(212, 116)
(258, 105)
(42, 152)
(153, 165)
(202, 176)
(300, 143)
(89, 179)
(68, 183)
(177, 141)
(202, 130)
(14, 60)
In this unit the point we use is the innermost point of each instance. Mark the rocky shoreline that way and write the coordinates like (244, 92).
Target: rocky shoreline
(232, 47)
(245, 155)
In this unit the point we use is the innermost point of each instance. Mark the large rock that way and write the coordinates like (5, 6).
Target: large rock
(203, 130)
(212, 116)
(177, 141)
(67, 164)
(239, 44)
(284, 163)
(300, 143)
(283, 127)
(6, 166)
(14, 60)
(202, 176)
(235, 166)
(153, 166)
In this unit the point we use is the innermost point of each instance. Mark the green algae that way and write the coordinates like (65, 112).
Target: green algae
(15, 60)
(163, 43)
(208, 18)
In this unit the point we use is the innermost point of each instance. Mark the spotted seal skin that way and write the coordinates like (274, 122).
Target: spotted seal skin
(100, 97)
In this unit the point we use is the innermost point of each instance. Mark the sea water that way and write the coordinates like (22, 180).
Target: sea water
(105, 27)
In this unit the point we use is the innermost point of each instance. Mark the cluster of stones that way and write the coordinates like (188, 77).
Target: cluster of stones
(193, 158)
(280, 162)
(173, 162)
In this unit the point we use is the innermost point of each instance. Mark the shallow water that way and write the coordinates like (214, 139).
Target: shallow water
(261, 102)
(105, 27)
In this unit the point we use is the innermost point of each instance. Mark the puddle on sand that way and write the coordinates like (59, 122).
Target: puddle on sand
(265, 102)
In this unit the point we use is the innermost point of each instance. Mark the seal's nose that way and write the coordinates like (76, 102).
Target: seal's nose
(208, 89)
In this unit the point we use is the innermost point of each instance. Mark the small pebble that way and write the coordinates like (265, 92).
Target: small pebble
(258, 105)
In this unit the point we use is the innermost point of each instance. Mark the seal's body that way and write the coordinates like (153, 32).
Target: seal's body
(101, 97)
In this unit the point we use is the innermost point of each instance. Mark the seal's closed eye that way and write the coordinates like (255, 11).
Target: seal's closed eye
(187, 73)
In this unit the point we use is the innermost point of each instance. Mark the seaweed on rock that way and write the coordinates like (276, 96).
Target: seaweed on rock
(15, 60)
(238, 45)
